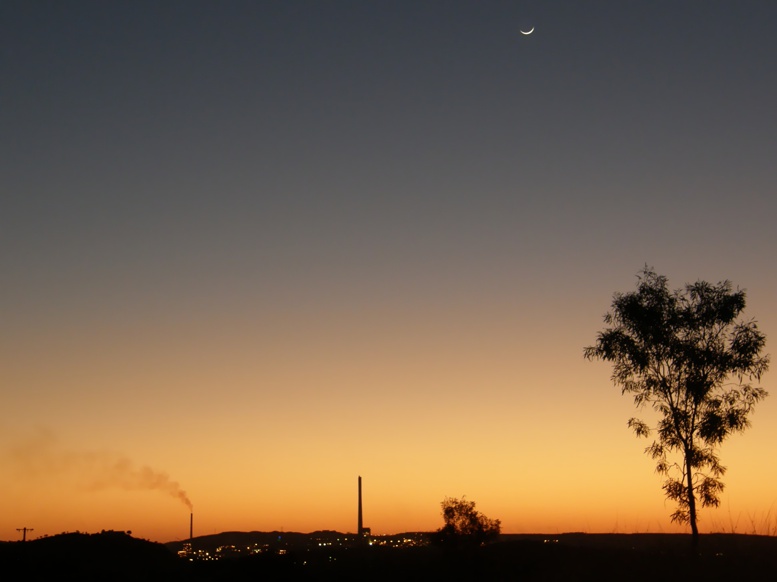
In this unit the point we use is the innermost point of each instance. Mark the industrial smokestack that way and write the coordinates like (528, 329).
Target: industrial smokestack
(360, 526)
(191, 526)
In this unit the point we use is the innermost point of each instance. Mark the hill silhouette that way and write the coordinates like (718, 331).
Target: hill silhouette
(296, 556)
(109, 555)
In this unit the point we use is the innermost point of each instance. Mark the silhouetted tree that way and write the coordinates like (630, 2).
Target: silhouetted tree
(685, 355)
(464, 525)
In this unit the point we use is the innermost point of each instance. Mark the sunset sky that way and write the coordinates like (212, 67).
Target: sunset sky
(253, 250)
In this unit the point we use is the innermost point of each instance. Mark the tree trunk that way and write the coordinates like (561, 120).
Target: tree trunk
(691, 502)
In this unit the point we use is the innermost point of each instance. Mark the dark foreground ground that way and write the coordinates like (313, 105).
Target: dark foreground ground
(568, 557)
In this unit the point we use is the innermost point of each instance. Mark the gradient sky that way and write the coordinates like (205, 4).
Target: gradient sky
(252, 250)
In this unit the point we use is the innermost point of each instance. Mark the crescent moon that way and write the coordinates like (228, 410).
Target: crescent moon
(528, 33)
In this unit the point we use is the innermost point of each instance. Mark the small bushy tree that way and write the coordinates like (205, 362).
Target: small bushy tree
(686, 355)
(464, 525)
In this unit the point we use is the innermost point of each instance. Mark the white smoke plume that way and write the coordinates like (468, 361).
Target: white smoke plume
(41, 459)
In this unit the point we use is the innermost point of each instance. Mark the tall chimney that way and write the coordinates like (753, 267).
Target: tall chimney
(361, 524)
(191, 526)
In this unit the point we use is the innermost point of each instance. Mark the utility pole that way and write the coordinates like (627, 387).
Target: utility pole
(24, 531)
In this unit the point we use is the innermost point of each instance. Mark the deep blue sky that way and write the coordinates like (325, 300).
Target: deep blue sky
(309, 178)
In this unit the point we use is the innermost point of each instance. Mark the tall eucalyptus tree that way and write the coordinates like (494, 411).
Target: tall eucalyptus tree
(686, 355)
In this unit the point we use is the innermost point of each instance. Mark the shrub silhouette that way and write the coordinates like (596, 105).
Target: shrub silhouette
(464, 525)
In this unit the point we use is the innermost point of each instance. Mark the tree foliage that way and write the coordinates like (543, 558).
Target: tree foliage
(685, 354)
(464, 525)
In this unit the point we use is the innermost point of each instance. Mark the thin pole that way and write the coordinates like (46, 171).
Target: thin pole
(24, 531)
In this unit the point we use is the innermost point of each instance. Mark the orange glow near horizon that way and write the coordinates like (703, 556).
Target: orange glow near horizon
(253, 250)
(266, 444)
